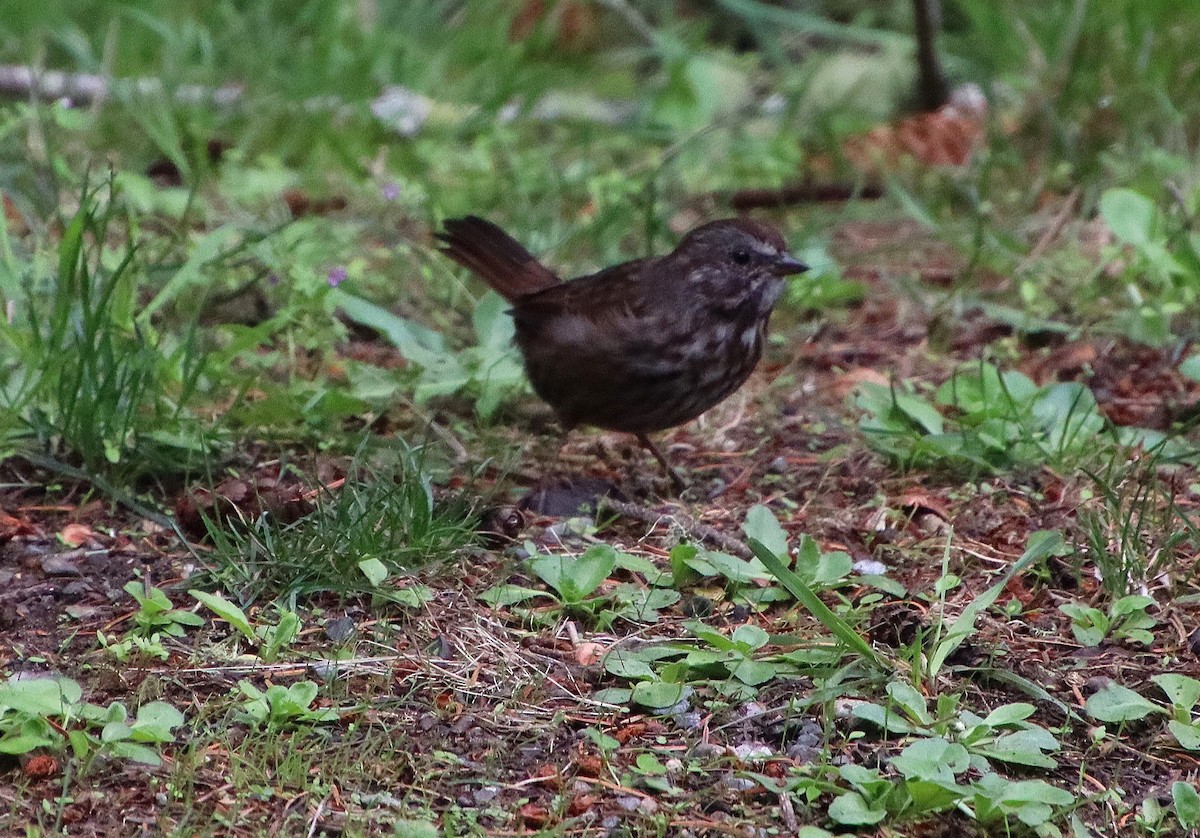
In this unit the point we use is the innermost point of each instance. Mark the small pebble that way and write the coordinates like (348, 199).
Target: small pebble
(60, 565)
(752, 710)
(802, 753)
(741, 784)
(870, 567)
(843, 708)
(696, 606)
(691, 720)
(340, 630)
(753, 752)
(77, 589)
(485, 795)
(679, 708)
(708, 749)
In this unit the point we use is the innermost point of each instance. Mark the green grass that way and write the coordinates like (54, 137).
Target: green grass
(86, 381)
(383, 523)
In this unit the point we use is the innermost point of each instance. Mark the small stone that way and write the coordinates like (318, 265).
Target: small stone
(802, 752)
(696, 605)
(753, 752)
(779, 465)
(752, 711)
(629, 803)
(60, 565)
(708, 749)
(843, 708)
(691, 720)
(739, 784)
(679, 708)
(485, 795)
(340, 630)
(78, 588)
(870, 567)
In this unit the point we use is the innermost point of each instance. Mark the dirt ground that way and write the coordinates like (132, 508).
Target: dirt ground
(470, 714)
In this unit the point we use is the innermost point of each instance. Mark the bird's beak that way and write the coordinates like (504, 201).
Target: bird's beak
(786, 264)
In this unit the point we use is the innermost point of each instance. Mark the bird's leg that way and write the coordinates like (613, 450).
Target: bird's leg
(677, 481)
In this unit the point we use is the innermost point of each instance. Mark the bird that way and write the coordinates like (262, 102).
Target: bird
(644, 345)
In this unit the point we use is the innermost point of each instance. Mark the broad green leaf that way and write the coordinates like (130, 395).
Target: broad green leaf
(29, 735)
(1182, 690)
(374, 570)
(762, 524)
(137, 753)
(908, 697)
(1187, 735)
(624, 665)
(226, 610)
(575, 577)
(752, 672)
(156, 722)
(1114, 703)
(504, 595)
(417, 344)
(1130, 215)
(1190, 367)
(852, 810)
(932, 759)
(1022, 747)
(659, 695)
(890, 720)
(115, 732)
(613, 695)
(1187, 804)
(40, 696)
(1007, 714)
(751, 636)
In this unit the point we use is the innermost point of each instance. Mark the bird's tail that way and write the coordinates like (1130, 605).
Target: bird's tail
(495, 257)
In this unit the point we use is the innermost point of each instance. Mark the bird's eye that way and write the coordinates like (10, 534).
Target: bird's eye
(742, 257)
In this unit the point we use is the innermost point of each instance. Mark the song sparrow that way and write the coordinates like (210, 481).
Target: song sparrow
(644, 345)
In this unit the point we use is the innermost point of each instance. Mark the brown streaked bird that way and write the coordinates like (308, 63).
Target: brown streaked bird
(644, 345)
